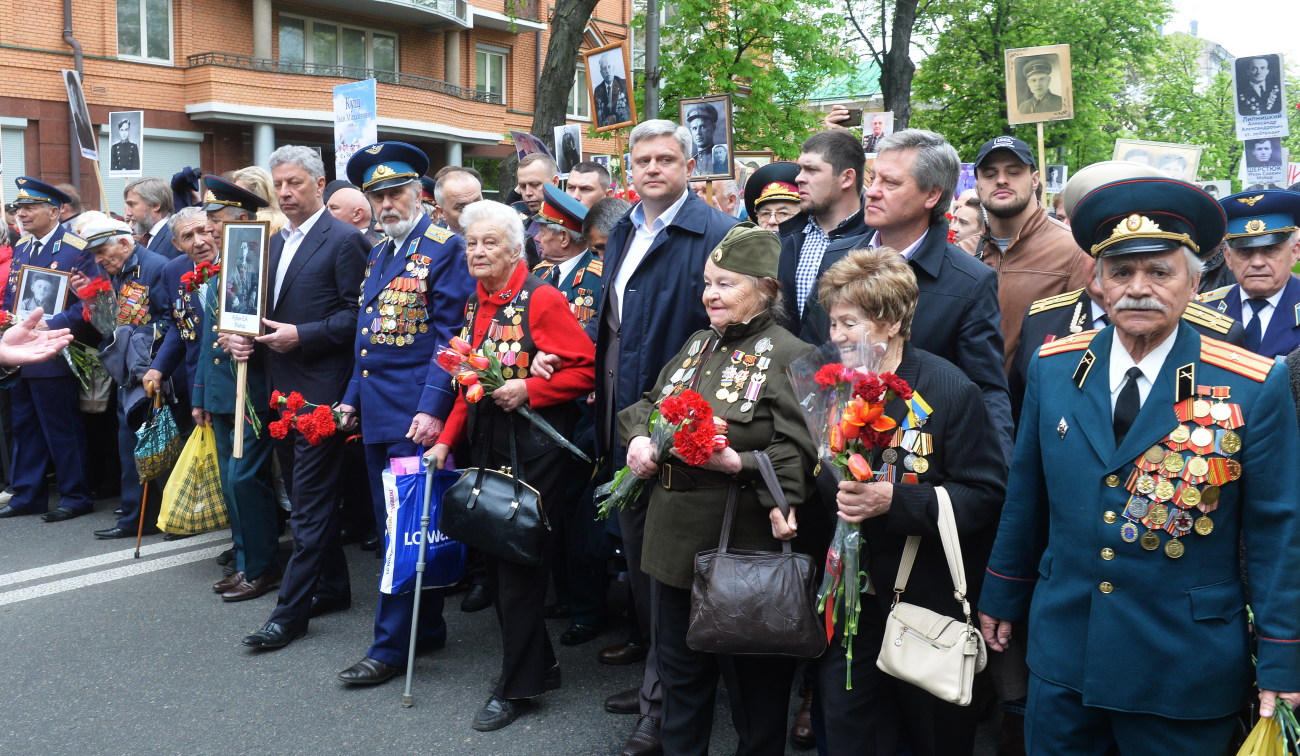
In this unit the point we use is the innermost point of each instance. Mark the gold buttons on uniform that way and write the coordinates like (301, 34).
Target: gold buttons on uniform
(370, 310)
(1112, 480)
(1106, 587)
(1108, 554)
(363, 353)
(365, 331)
(216, 360)
(1109, 516)
(216, 345)
(365, 373)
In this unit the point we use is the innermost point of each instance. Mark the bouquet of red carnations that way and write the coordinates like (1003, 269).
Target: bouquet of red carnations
(203, 272)
(684, 422)
(844, 398)
(317, 424)
(99, 305)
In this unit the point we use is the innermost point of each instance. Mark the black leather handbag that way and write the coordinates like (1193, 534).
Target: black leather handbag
(755, 602)
(496, 512)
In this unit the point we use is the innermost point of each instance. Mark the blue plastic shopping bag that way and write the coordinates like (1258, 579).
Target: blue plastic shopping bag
(404, 481)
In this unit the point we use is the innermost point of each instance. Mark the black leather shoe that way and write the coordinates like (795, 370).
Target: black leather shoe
(321, 606)
(8, 511)
(226, 557)
(578, 634)
(114, 532)
(272, 636)
(478, 599)
(557, 611)
(61, 513)
(627, 702)
(623, 653)
(370, 672)
(228, 569)
(370, 542)
(499, 712)
(645, 738)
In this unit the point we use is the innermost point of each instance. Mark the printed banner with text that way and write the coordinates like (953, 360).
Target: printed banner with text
(356, 123)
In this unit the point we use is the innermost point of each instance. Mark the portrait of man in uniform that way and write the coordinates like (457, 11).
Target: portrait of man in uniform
(1038, 79)
(125, 154)
(882, 125)
(568, 147)
(709, 121)
(1259, 87)
(81, 116)
(1177, 161)
(1055, 179)
(243, 277)
(1038, 84)
(43, 288)
(607, 75)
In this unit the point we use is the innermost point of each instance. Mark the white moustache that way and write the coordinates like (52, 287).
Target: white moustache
(1140, 303)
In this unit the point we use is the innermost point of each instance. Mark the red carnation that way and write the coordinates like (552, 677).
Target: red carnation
(897, 385)
(829, 375)
(279, 428)
(295, 401)
(277, 399)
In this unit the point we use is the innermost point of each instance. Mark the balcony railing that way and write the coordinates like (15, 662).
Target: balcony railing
(270, 65)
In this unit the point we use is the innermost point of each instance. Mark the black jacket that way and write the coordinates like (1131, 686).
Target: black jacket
(792, 238)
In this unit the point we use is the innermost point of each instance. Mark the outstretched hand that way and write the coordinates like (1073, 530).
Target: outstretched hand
(29, 341)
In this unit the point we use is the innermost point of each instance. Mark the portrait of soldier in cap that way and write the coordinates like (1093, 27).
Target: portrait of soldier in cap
(708, 119)
(1038, 79)
(124, 157)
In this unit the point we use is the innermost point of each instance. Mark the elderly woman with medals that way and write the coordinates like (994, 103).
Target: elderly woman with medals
(738, 366)
(944, 437)
(521, 316)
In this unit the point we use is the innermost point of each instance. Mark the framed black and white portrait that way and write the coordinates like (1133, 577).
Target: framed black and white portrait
(244, 277)
(41, 287)
(81, 116)
(125, 154)
(1265, 161)
(1259, 97)
(749, 162)
(1055, 178)
(609, 84)
(709, 121)
(1178, 161)
(1038, 84)
(568, 147)
(875, 127)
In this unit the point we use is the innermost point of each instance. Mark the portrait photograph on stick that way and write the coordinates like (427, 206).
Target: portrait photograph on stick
(81, 116)
(749, 161)
(1265, 161)
(1057, 175)
(709, 121)
(127, 129)
(608, 85)
(1038, 84)
(1259, 93)
(568, 147)
(41, 287)
(1178, 161)
(244, 277)
(876, 126)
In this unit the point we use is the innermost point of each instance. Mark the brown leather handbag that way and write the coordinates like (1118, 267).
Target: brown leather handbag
(755, 602)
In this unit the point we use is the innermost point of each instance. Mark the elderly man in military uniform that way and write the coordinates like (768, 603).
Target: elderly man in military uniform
(567, 263)
(47, 426)
(126, 155)
(1041, 99)
(412, 301)
(1263, 244)
(1146, 453)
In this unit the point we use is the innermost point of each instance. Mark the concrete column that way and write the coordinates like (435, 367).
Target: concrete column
(454, 156)
(451, 51)
(261, 28)
(263, 143)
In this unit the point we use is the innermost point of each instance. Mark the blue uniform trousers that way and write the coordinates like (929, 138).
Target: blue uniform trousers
(250, 500)
(48, 428)
(393, 613)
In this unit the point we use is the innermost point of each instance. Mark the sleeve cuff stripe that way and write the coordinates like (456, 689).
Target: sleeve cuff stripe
(990, 571)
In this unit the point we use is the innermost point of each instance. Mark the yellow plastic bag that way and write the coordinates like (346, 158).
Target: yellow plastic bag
(1265, 739)
(192, 502)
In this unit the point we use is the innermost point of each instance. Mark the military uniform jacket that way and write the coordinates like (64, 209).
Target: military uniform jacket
(581, 286)
(214, 377)
(1133, 629)
(179, 350)
(1251, 103)
(680, 523)
(1050, 103)
(126, 156)
(1283, 334)
(65, 251)
(411, 304)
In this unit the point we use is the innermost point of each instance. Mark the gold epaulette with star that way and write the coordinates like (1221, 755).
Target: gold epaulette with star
(73, 240)
(1235, 359)
(1214, 295)
(1051, 303)
(596, 267)
(1071, 343)
(1204, 316)
(26, 238)
(543, 265)
(438, 234)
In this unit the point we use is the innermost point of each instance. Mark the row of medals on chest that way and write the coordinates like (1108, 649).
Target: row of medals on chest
(505, 339)
(744, 377)
(401, 308)
(1162, 475)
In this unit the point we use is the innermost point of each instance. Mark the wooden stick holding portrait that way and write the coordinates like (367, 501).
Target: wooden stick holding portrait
(241, 305)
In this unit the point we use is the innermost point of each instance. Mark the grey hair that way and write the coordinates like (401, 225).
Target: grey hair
(296, 154)
(439, 195)
(186, 215)
(575, 237)
(935, 167)
(728, 187)
(661, 127)
(488, 211)
(154, 191)
(604, 214)
(1195, 267)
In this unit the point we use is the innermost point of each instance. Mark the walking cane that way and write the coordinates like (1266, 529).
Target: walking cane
(419, 582)
(144, 491)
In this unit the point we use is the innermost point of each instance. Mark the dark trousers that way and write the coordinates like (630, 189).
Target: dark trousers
(394, 612)
(574, 562)
(48, 429)
(881, 711)
(317, 566)
(757, 686)
(250, 500)
(133, 491)
(631, 524)
(1058, 722)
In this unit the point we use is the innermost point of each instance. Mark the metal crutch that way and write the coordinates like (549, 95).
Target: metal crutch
(419, 582)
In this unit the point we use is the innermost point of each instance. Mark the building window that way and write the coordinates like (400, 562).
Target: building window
(490, 71)
(319, 44)
(579, 106)
(144, 29)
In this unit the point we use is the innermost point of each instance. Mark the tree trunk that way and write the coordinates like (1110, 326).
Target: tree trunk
(897, 69)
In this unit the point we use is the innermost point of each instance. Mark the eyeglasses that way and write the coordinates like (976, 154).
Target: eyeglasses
(780, 216)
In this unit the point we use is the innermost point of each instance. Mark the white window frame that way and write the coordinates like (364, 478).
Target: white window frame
(579, 96)
(309, 52)
(492, 51)
(144, 35)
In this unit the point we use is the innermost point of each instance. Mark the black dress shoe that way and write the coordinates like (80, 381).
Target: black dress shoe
(228, 569)
(623, 653)
(499, 712)
(114, 532)
(577, 634)
(370, 542)
(8, 511)
(61, 513)
(226, 557)
(645, 738)
(478, 599)
(557, 611)
(321, 606)
(627, 702)
(272, 636)
(370, 672)
(177, 536)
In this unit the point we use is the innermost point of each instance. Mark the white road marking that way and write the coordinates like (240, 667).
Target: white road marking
(117, 573)
(76, 565)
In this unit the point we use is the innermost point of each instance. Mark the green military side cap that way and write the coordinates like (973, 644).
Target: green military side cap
(748, 249)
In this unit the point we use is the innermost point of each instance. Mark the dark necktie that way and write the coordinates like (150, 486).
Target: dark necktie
(1127, 405)
(35, 256)
(1253, 332)
(1105, 320)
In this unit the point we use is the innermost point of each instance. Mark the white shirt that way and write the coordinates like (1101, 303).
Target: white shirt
(566, 267)
(1265, 313)
(153, 232)
(642, 237)
(1097, 314)
(292, 239)
(906, 252)
(1121, 361)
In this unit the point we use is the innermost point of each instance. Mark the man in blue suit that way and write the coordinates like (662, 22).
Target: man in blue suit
(315, 270)
(1263, 244)
(1147, 452)
(48, 429)
(148, 207)
(412, 302)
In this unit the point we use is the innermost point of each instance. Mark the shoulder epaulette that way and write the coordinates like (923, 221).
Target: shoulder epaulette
(72, 240)
(1071, 343)
(1051, 303)
(1203, 316)
(26, 238)
(1235, 359)
(1214, 295)
(596, 267)
(379, 243)
(438, 234)
(543, 265)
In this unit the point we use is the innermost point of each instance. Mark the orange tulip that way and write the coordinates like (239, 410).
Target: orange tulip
(478, 361)
(859, 467)
(883, 423)
(474, 393)
(837, 439)
(461, 345)
(467, 378)
(851, 430)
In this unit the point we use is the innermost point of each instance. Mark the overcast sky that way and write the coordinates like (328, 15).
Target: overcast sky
(1251, 28)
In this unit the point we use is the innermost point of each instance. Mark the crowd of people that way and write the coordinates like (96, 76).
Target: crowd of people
(1097, 384)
